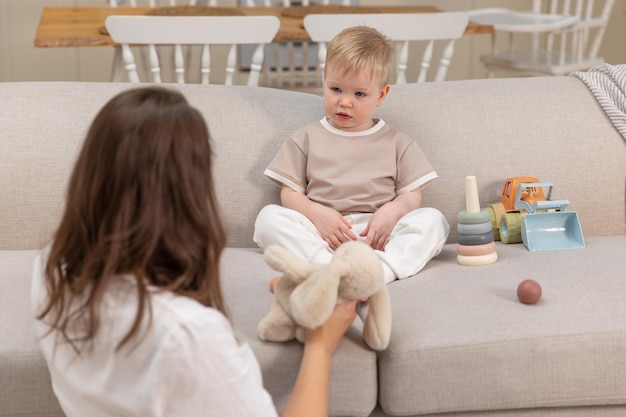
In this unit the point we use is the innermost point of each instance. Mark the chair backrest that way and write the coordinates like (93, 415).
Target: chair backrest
(248, 3)
(154, 3)
(400, 27)
(293, 65)
(192, 30)
(289, 3)
(585, 37)
(556, 37)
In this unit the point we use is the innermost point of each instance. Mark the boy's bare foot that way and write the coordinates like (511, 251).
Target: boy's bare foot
(273, 282)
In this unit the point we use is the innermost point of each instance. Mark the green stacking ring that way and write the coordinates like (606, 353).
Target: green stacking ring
(482, 216)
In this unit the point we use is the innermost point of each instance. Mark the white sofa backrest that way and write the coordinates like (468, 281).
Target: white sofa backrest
(550, 128)
(42, 126)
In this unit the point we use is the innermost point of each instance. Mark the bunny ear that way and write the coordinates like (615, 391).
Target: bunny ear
(313, 301)
(377, 327)
(286, 262)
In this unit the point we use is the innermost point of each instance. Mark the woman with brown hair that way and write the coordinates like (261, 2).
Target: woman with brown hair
(127, 299)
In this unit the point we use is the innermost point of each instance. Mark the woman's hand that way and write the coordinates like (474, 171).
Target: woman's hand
(332, 330)
(310, 393)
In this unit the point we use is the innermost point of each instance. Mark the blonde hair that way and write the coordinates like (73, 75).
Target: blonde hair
(361, 48)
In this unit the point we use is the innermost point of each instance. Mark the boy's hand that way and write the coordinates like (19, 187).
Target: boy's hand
(333, 227)
(378, 230)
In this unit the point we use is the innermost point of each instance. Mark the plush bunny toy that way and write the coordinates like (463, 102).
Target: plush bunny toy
(306, 294)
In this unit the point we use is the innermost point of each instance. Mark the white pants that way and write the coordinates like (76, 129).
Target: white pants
(416, 239)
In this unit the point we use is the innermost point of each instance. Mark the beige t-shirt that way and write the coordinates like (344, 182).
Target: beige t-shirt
(351, 172)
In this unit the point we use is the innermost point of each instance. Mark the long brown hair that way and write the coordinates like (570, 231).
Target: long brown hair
(141, 201)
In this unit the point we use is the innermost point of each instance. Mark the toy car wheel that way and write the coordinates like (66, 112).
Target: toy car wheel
(498, 211)
(494, 226)
(511, 228)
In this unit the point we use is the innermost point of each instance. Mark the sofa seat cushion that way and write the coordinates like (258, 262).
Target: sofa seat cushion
(462, 341)
(25, 388)
(353, 379)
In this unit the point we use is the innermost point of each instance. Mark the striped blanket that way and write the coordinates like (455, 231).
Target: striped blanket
(608, 84)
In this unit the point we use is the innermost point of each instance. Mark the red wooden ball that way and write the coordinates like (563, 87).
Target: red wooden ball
(529, 291)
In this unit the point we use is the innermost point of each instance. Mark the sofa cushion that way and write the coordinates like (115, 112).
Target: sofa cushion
(353, 379)
(551, 128)
(461, 340)
(470, 127)
(25, 388)
(247, 126)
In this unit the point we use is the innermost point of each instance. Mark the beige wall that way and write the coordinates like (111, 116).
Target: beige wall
(21, 61)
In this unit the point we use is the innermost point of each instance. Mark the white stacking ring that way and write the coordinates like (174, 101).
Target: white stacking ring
(477, 260)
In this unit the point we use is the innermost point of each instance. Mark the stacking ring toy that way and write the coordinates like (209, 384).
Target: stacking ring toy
(477, 260)
(482, 216)
(476, 250)
(475, 228)
(476, 239)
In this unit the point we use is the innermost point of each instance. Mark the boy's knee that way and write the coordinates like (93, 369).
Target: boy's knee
(430, 217)
(437, 219)
(264, 219)
(268, 212)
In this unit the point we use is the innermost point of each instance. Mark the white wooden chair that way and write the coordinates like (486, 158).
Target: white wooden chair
(206, 31)
(294, 64)
(556, 37)
(403, 28)
(117, 66)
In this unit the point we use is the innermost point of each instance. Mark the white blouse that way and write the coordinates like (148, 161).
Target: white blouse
(187, 363)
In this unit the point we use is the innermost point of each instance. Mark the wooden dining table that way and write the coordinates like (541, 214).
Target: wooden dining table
(84, 26)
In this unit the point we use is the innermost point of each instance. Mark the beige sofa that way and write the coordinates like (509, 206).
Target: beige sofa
(461, 342)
